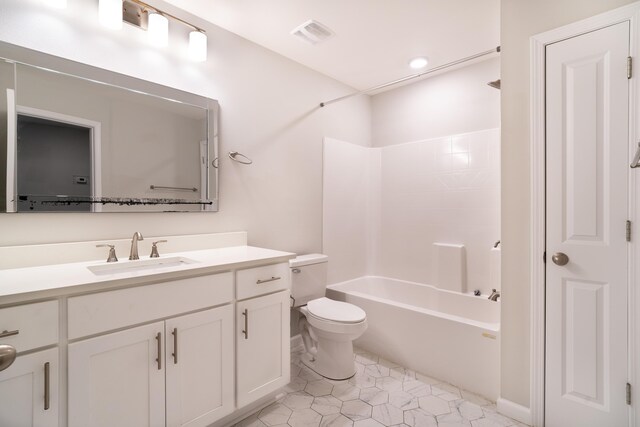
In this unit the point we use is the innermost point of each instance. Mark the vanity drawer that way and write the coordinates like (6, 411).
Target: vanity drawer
(105, 311)
(37, 325)
(262, 280)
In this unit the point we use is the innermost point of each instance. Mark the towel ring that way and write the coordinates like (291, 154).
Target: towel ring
(233, 154)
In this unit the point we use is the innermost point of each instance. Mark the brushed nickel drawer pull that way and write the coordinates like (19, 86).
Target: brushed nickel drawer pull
(259, 282)
(175, 346)
(6, 333)
(159, 359)
(47, 397)
(245, 313)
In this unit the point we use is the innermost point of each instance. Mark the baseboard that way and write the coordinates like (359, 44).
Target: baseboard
(513, 410)
(296, 341)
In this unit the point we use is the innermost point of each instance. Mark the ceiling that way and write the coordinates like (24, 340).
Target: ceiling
(374, 39)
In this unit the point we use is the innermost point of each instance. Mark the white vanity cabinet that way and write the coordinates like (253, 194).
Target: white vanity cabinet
(181, 366)
(262, 332)
(198, 344)
(29, 388)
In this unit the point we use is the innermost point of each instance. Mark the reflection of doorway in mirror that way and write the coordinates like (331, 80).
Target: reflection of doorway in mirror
(57, 158)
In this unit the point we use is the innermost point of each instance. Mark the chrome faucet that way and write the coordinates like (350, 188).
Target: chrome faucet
(134, 245)
(494, 295)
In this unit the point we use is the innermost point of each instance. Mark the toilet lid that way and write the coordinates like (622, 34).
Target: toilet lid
(328, 309)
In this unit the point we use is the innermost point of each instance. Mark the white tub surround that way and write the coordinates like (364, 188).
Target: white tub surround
(170, 344)
(450, 265)
(448, 335)
(386, 208)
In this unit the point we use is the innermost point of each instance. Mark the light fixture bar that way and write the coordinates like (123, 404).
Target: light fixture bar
(146, 7)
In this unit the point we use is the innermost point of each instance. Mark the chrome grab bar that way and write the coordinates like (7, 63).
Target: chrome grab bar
(161, 187)
(273, 278)
(636, 159)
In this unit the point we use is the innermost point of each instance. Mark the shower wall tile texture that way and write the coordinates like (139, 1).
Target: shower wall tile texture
(444, 190)
(384, 208)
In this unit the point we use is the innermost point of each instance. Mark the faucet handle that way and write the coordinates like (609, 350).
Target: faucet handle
(154, 249)
(112, 252)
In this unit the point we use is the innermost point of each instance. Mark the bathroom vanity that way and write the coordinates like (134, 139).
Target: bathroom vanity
(191, 341)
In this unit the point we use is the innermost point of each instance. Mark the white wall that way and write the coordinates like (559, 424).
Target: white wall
(450, 103)
(269, 111)
(521, 19)
(350, 209)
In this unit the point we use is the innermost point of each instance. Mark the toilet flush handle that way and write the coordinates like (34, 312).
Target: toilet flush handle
(295, 270)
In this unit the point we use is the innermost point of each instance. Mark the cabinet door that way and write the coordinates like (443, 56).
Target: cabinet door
(118, 379)
(263, 343)
(25, 389)
(199, 354)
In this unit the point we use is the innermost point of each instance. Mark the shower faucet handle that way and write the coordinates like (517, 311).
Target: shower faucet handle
(154, 249)
(112, 252)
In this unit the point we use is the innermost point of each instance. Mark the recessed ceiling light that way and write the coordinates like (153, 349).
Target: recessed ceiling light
(419, 62)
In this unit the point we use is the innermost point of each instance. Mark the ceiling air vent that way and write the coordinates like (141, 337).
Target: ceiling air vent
(312, 32)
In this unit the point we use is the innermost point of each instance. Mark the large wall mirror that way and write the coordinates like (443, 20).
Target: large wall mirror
(75, 138)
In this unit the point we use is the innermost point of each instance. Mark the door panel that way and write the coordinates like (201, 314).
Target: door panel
(200, 377)
(116, 379)
(262, 347)
(587, 96)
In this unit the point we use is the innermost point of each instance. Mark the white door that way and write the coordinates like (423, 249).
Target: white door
(587, 94)
(199, 354)
(27, 397)
(262, 338)
(118, 379)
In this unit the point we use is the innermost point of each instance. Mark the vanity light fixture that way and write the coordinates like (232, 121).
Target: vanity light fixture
(419, 62)
(110, 13)
(152, 20)
(158, 30)
(198, 46)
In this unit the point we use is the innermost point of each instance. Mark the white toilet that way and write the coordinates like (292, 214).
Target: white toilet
(328, 327)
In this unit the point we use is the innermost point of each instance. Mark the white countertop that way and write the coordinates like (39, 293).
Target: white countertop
(25, 284)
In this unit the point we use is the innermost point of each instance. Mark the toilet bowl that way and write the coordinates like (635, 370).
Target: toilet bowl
(328, 336)
(327, 327)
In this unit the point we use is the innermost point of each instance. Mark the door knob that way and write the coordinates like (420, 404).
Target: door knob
(7, 356)
(560, 258)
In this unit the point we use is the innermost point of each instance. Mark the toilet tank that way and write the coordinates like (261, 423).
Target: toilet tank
(308, 277)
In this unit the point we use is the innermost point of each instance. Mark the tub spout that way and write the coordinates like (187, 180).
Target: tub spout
(494, 295)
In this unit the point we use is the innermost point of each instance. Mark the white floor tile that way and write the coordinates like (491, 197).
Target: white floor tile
(382, 393)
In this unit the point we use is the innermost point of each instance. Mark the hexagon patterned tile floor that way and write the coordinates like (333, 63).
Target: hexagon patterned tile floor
(381, 393)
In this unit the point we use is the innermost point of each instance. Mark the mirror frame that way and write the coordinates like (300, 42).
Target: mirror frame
(46, 62)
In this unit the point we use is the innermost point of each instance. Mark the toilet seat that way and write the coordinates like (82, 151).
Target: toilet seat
(335, 311)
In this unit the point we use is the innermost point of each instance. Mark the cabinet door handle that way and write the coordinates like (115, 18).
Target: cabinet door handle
(245, 313)
(261, 281)
(175, 346)
(47, 386)
(6, 333)
(159, 359)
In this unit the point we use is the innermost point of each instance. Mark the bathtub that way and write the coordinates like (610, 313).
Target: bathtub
(446, 335)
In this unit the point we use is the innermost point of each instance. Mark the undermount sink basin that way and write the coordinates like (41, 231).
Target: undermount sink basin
(146, 265)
